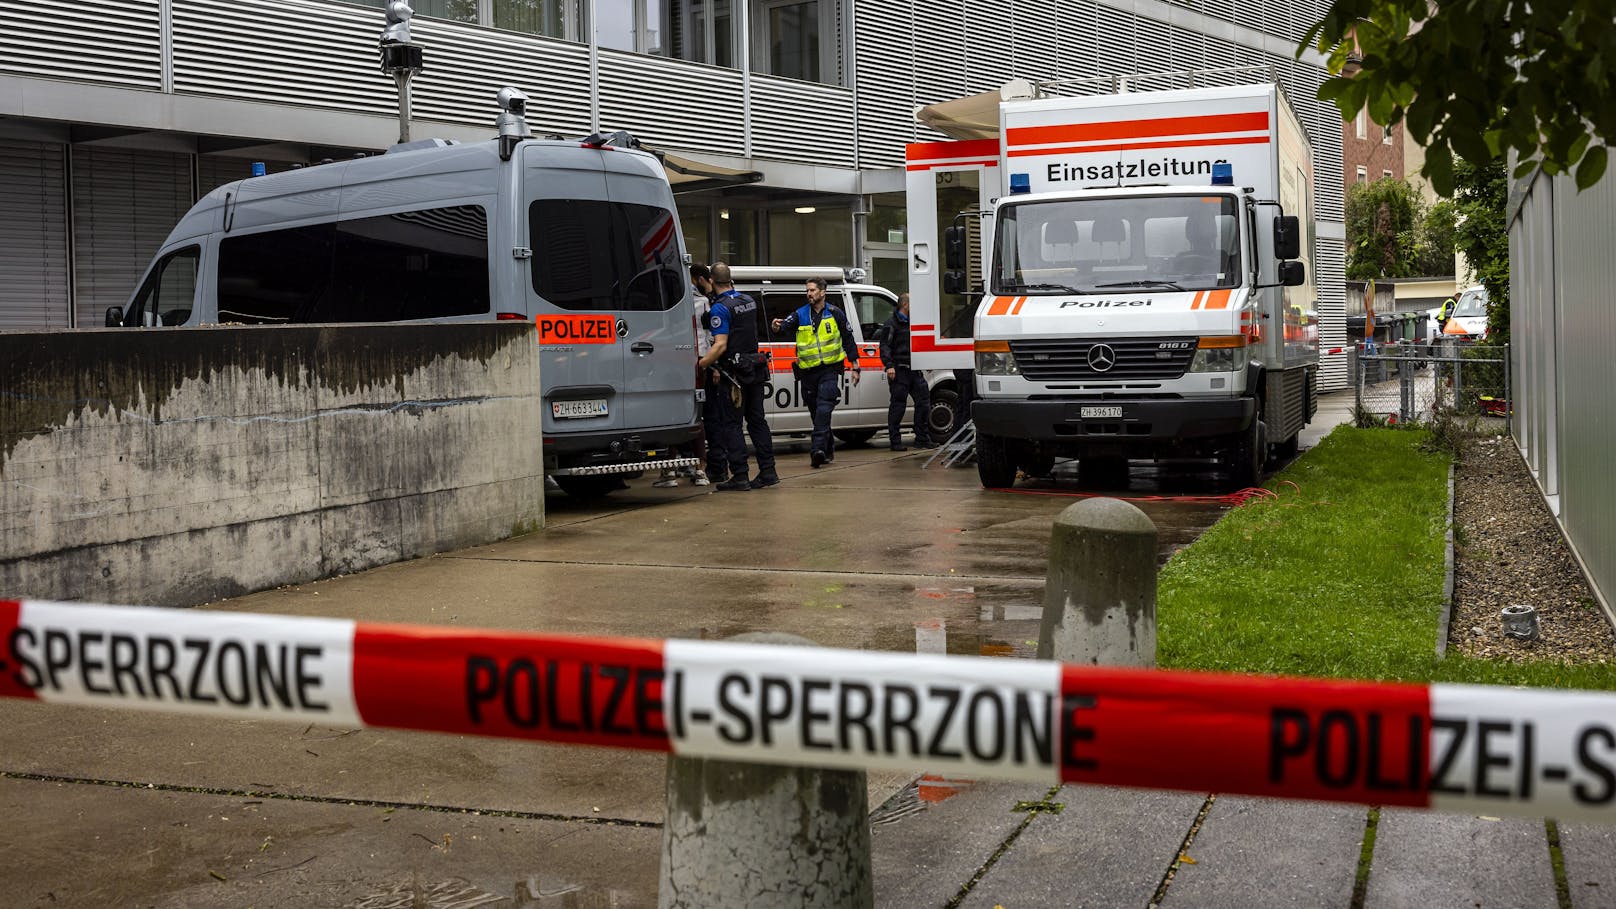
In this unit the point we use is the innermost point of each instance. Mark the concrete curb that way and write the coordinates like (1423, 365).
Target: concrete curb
(1447, 573)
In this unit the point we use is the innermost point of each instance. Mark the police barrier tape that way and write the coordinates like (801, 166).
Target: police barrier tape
(1449, 747)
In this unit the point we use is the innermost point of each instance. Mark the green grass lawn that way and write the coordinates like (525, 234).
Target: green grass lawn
(1340, 576)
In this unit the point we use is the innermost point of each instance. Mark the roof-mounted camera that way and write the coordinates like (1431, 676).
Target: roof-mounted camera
(512, 121)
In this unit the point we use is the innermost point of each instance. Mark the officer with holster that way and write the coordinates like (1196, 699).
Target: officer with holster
(742, 372)
(905, 382)
(824, 340)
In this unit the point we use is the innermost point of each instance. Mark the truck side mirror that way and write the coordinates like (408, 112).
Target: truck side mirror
(114, 316)
(1287, 237)
(954, 282)
(954, 248)
(1292, 274)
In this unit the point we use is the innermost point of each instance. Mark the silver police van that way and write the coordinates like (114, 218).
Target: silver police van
(581, 238)
(781, 290)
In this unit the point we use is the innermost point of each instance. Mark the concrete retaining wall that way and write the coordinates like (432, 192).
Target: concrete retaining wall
(170, 467)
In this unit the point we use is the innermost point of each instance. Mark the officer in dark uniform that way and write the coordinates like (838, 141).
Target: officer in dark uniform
(903, 381)
(742, 374)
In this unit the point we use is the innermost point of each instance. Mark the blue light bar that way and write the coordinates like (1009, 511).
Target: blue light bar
(1020, 183)
(258, 169)
(1222, 173)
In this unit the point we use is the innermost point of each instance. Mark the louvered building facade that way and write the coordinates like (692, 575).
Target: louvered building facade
(116, 114)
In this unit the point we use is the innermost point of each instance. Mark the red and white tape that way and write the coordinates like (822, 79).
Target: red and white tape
(1450, 747)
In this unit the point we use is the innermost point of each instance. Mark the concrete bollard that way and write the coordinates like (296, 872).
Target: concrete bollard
(1100, 598)
(746, 835)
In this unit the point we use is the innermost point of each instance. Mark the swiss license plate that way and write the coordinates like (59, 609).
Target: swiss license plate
(589, 407)
(1113, 412)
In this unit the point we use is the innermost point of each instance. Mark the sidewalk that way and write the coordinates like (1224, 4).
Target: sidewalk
(1002, 845)
(1005, 845)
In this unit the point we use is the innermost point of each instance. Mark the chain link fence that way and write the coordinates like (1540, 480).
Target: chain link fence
(1414, 381)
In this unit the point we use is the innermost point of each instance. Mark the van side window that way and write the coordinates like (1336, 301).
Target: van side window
(778, 305)
(169, 293)
(873, 312)
(428, 264)
(598, 256)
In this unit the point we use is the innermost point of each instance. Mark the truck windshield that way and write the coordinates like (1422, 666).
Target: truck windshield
(1081, 246)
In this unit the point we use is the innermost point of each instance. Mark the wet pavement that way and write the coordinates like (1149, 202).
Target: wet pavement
(871, 552)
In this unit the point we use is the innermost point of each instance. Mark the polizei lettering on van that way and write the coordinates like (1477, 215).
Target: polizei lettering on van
(576, 329)
(1102, 304)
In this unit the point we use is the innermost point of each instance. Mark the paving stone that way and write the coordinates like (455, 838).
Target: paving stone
(930, 839)
(1107, 847)
(1433, 860)
(1590, 864)
(1254, 852)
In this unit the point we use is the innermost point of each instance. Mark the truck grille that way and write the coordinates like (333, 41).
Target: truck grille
(1134, 358)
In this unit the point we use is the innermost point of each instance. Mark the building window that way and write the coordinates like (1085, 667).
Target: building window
(1363, 174)
(552, 18)
(1387, 138)
(797, 39)
(1361, 124)
(1385, 175)
(699, 30)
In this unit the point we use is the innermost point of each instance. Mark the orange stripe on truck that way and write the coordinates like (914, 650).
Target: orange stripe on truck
(1139, 129)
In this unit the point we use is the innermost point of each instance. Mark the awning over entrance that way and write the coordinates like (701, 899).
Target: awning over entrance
(688, 176)
(973, 116)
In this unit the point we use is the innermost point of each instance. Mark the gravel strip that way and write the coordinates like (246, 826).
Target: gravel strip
(1508, 551)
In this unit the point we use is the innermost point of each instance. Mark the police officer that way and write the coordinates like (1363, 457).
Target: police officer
(824, 340)
(1445, 313)
(742, 375)
(904, 382)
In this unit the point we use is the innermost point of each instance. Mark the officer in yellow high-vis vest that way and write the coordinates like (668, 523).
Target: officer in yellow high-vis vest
(824, 342)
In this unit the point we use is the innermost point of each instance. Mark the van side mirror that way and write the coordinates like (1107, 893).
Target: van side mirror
(1292, 274)
(954, 282)
(114, 317)
(954, 248)
(1287, 237)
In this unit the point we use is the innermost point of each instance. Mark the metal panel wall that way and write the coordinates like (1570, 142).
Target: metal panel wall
(124, 204)
(884, 35)
(1036, 29)
(33, 235)
(466, 69)
(1564, 328)
(1330, 277)
(990, 58)
(939, 51)
(801, 121)
(113, 41)
(1079, 35)
(693, 106)
(301, 52)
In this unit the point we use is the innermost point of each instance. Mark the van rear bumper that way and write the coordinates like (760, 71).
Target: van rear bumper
(634, 449)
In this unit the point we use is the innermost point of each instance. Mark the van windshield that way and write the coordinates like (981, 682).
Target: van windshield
(596, 256)
(1473, 304)
(1081, 246)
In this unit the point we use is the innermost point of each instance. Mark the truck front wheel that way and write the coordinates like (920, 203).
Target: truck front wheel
(994, 464)
(1248, 455)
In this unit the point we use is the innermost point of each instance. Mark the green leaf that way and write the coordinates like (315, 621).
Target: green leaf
(1525, 168)
(1592, 167)
(1439, 167)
